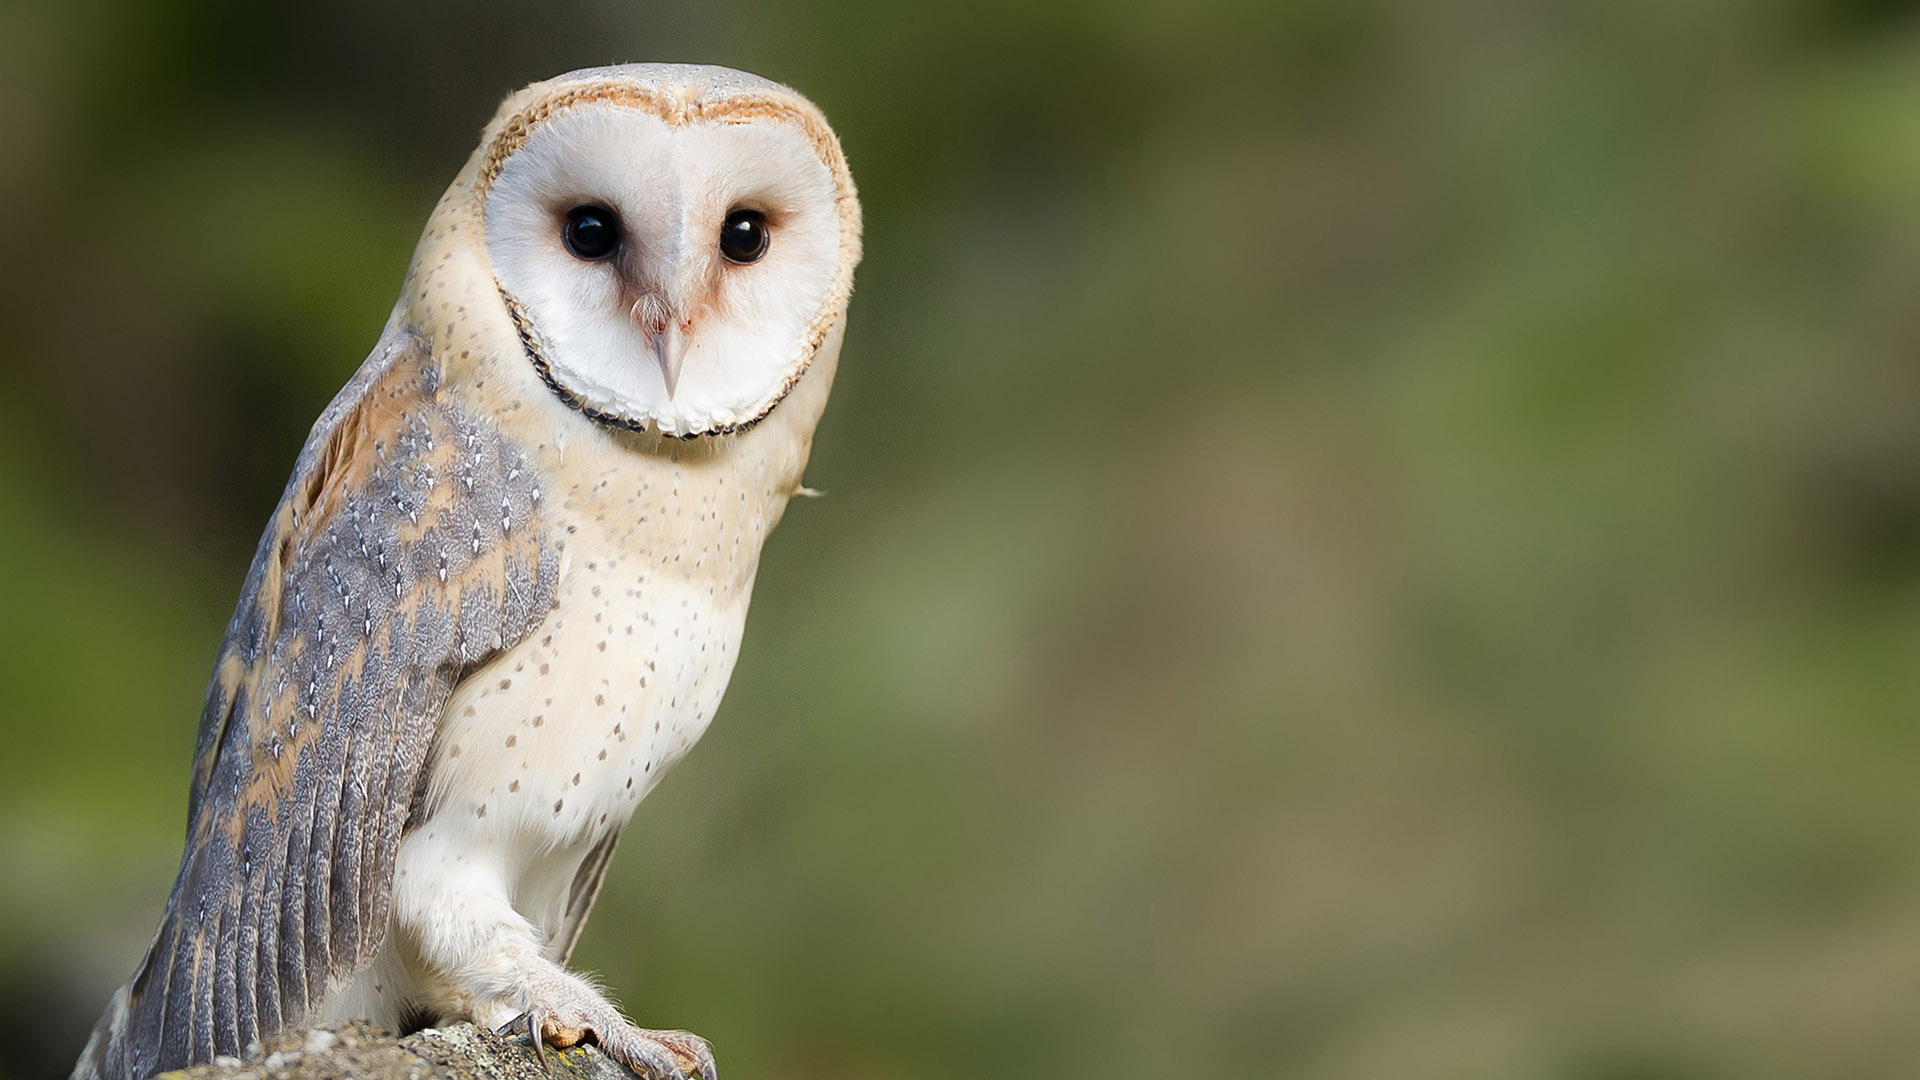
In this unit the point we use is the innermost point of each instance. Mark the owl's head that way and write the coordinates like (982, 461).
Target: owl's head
(673, 242)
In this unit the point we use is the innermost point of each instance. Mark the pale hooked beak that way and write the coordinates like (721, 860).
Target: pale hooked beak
(670, 351)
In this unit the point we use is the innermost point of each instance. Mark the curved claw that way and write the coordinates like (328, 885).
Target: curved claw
(532, 1023)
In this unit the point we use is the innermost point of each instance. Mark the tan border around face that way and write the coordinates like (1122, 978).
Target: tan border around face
(678, 111)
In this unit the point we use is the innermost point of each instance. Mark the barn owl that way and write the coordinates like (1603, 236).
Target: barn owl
(506, 584)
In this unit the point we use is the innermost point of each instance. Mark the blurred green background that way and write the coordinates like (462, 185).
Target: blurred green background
(1366, 538)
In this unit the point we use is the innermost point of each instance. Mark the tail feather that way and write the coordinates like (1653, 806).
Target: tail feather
(105, 1057)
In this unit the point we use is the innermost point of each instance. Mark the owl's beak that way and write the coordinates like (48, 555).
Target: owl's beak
(670, 351)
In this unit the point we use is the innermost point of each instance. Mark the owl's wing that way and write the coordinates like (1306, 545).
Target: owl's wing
(407, 550)
(580, 897)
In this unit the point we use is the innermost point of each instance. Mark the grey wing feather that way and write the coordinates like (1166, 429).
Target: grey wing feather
(580, 897)
(381, 580)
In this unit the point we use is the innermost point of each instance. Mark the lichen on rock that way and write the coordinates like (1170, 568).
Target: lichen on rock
(356, 1050)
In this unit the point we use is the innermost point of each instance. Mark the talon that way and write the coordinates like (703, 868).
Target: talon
(650, 1055)
(532, 1021)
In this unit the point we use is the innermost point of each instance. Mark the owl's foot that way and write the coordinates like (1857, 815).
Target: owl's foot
(653, 1055)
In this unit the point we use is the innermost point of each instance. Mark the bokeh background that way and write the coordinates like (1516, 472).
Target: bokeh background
(1366, 538)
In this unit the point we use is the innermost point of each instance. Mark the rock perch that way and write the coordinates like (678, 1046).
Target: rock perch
(356, 1050)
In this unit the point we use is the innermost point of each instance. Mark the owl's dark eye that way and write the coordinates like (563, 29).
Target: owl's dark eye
(744, 237)
(591, 232)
